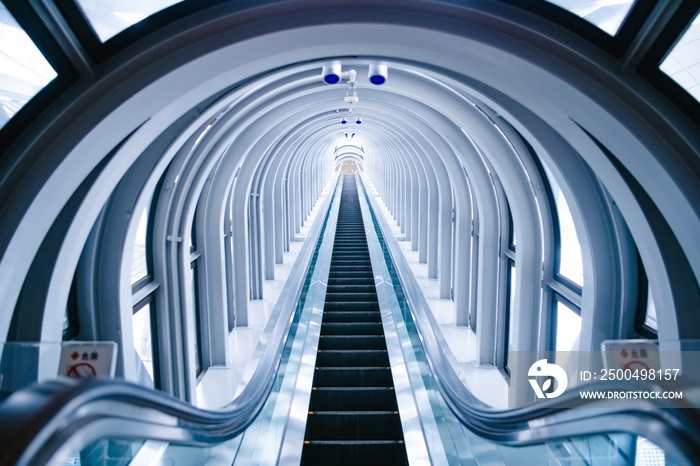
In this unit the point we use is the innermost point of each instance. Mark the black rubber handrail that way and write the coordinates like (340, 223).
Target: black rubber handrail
(63, 415)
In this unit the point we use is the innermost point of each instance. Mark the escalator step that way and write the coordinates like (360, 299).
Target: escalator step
(350, 297)
(346, 342)
(352, 328)
(351, 261)
(354, 425)
(350, 274)
(351, 281)
(352, 316)
(352, 377)
(352, 453)
(351, 306)
(353, 399)
(358, 268)
(352, 358)
(351, 289)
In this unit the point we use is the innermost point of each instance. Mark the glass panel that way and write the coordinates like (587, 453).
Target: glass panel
(570, 260)
(568, 328)
(143, 339)
(110, 17)
(23, 69)
(608, 15)
(683, 63)
(511, 228)
(650, 318)
(194, 308)
(511, 299)
(193, 233)
(107, 452)
(139, 264)
(507, 324)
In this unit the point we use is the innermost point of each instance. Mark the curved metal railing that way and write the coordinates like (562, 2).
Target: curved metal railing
(672, 424)
(59, 416)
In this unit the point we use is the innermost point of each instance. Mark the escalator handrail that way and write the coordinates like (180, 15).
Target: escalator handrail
(63, 415)
(671, 424)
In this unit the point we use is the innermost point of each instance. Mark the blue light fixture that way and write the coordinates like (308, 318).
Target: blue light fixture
(378, 74)
(332, 73)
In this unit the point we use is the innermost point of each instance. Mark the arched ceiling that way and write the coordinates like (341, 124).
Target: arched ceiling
(453, 71)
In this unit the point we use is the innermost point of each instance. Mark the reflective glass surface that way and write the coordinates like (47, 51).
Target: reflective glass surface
(139, 268)
(110, 17)
(683, 63)
(568, 328)
(570, 263)
(513, 273)
(650, 318)
(570, 259)
(142, 337)
(23, 69)
(112, 452)
(608, 15)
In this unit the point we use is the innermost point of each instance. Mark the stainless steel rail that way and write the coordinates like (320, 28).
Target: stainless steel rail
(54, 418)
(671, 424)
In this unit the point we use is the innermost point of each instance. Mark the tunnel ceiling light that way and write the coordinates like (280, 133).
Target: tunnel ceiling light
(358, 121)
(378, 74)
(344, 121)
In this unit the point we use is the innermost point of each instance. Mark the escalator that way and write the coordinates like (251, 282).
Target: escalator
(353, 413)
(350, 413)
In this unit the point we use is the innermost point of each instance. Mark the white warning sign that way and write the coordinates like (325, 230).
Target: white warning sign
(88, 359)
(631, 354)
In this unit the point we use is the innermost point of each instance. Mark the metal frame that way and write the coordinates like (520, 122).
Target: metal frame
(202, 119)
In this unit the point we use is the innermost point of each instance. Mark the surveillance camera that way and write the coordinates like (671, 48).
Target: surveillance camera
(378, 74)
(332, 73)
(351, 99)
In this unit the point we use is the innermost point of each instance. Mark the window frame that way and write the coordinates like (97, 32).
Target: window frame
(144, 290)
(560, 288)
(139, 306)
(66, 73)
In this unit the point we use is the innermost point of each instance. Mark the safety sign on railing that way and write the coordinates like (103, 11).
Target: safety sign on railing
(88, 360)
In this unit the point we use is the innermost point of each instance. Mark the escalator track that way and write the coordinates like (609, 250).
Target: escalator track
(353, 415)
